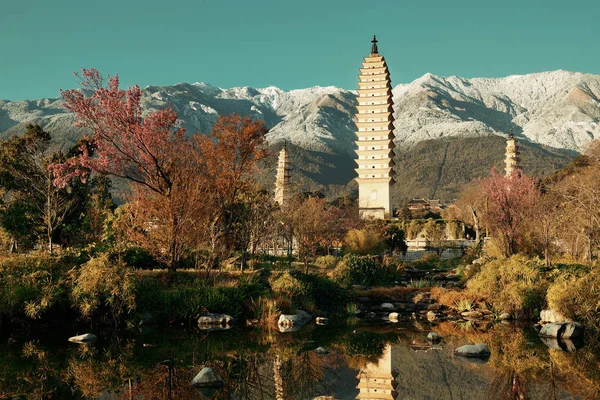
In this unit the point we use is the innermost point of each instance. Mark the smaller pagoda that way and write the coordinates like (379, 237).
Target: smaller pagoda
(282, 179)
(512, 155)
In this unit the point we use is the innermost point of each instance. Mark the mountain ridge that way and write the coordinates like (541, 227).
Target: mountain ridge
(559, 109)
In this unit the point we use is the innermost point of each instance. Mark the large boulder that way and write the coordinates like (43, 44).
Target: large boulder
(293, 322)
(207, 378)
(208, 321)
(85, 338)
(473, 350)
(552, 316)
(562, 330)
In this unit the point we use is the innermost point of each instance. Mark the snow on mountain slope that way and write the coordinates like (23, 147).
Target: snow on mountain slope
(559, 109)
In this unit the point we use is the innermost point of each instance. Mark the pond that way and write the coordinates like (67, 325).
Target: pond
(384, 361)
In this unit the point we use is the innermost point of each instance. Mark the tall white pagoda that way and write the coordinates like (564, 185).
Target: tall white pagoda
(375, 135)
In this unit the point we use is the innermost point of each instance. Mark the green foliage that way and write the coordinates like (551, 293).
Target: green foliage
(323, 292)
(395, 240)
(286, 285)
(139, 258)
(32, 285)
(366, 271)
(184, 303)
(327, 262)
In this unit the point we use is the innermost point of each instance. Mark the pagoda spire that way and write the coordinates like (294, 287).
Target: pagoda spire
(374, 49)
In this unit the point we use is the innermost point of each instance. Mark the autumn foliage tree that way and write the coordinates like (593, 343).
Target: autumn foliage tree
(511, 202)
(148, 150)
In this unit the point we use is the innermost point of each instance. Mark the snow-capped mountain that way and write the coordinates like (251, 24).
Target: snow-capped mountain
(560, 109)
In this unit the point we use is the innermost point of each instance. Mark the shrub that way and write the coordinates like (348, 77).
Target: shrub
(286, 285)
(321, 292)
(100, 282)
(575, 295)
(31, 285)
(453, 298)
(185, 302)
(327, 262)
(429, 261)
(515, 285)
(363, 242)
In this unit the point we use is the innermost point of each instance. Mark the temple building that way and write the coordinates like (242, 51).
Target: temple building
(282, 179)
(375, 134)
(512, 155)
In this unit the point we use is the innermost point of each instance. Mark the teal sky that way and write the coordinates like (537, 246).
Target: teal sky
(289, 44)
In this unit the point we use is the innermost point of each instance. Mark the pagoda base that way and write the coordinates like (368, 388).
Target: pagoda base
(372, 213)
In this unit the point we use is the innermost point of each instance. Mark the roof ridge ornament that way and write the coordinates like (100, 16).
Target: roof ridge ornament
(374, 49)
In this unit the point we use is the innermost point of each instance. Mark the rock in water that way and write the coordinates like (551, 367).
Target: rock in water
(207, 378)
(85, 338)
(289, 323)
(505, 317)
(433, 337)
(431, 316)
(215, 319)
(473, 350)
(387, 306)
(562, 330)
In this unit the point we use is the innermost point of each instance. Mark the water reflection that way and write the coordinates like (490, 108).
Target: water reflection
(390, 362)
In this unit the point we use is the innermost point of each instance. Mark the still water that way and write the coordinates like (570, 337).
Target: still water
(344, 362)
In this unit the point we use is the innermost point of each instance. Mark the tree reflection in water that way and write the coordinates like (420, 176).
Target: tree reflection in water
(264, 365)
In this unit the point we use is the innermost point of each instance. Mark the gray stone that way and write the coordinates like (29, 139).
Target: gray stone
(505, 317)
(552, 316)
(209, 320)
(321, 351)
(207, 378)
(472, 314)
(431, 316)
(562, 330)
(473, 350)
(85, 338)
(433, 337)
(393, 317)
(387, 306)
(292, 322)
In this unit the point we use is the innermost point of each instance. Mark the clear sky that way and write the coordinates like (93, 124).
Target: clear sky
(287, 43)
